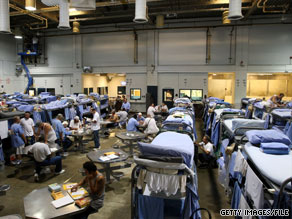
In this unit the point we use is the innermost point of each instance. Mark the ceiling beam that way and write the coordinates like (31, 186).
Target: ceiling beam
(21, 3)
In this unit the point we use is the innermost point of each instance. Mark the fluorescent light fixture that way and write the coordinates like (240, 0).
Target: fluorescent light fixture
(72, 9)
(214, 74)
(30, 5)
(17, 33)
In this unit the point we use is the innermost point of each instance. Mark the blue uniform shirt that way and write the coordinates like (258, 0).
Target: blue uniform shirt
(58, 127)
(132, 125)
(126, 106)
(141, 119)
(16, 132)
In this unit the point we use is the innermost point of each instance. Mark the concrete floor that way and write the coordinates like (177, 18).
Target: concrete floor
(117, 198)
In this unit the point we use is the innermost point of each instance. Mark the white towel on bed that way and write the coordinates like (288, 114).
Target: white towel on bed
(254, 188)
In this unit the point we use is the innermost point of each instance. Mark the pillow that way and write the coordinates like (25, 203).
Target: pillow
(250, 123)
(257, 137)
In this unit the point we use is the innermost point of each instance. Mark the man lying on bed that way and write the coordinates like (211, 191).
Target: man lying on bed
(207, 156)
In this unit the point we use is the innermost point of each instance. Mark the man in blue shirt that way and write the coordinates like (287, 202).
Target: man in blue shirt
(18, 139)
(140, 118)
(62, 140)
(126, 105)
(133, 124)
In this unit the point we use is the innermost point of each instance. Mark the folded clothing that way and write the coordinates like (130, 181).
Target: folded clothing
(257, 137)
(275, 148)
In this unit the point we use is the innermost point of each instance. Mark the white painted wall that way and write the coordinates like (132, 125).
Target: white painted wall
(8, 79)
(175, 55)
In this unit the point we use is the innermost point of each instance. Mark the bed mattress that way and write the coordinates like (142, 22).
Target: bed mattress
(170, 144)
(276, 168)
(283, 113)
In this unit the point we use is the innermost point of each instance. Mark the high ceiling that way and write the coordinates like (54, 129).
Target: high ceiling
(123, 11)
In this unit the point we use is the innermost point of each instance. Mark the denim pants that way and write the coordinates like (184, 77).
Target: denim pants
(52, 161)
(96, 138)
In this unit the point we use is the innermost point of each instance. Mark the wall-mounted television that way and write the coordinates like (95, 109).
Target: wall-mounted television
(197, 94)
(135, 93)
(193, 94)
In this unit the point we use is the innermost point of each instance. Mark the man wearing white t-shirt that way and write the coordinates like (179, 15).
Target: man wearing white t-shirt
(150, 124)
(208, 152)
(151, 109)
(95, 126)
(75, 123)
(28, 128)
(43, 157)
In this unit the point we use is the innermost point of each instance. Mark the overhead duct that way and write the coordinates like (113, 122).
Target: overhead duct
(76, 27)
(140, 11)
(64, 15)
(30, 5)
(4, 17)
(83, 5)
(159, 21)
(225, 19)
(50, 2)
(235, 10)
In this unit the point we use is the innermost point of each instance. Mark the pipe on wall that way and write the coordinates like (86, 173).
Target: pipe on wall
(135, 47)
(208, 46)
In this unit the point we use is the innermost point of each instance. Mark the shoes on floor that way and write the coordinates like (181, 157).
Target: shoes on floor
(47, 170)
(36, 177)
(96, 149)
(18, 162)
(58, 173)
(65, 154)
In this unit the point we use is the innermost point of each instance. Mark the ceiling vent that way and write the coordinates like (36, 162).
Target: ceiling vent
(83, 5)
(64, 15)
(235, 10)
(140, 11)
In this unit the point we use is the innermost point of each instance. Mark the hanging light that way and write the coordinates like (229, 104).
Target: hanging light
(159, 21)
(4, 17)
(17, 33)
(225, 19)
(30, 5)
(64, 15)
(76, 27)
(140, 11)
(235, 10)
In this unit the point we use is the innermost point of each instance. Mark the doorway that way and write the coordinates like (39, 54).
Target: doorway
(167, 97)
(222, 85)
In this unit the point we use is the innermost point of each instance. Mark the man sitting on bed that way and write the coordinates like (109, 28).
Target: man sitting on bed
(276, 100)
(207, 156)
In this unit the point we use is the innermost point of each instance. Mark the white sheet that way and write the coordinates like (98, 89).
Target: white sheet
(276, 168)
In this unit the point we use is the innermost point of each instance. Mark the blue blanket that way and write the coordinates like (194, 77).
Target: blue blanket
(257, 137)
(275, 148)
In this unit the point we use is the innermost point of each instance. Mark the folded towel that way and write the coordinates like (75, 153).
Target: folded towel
(275, 148)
